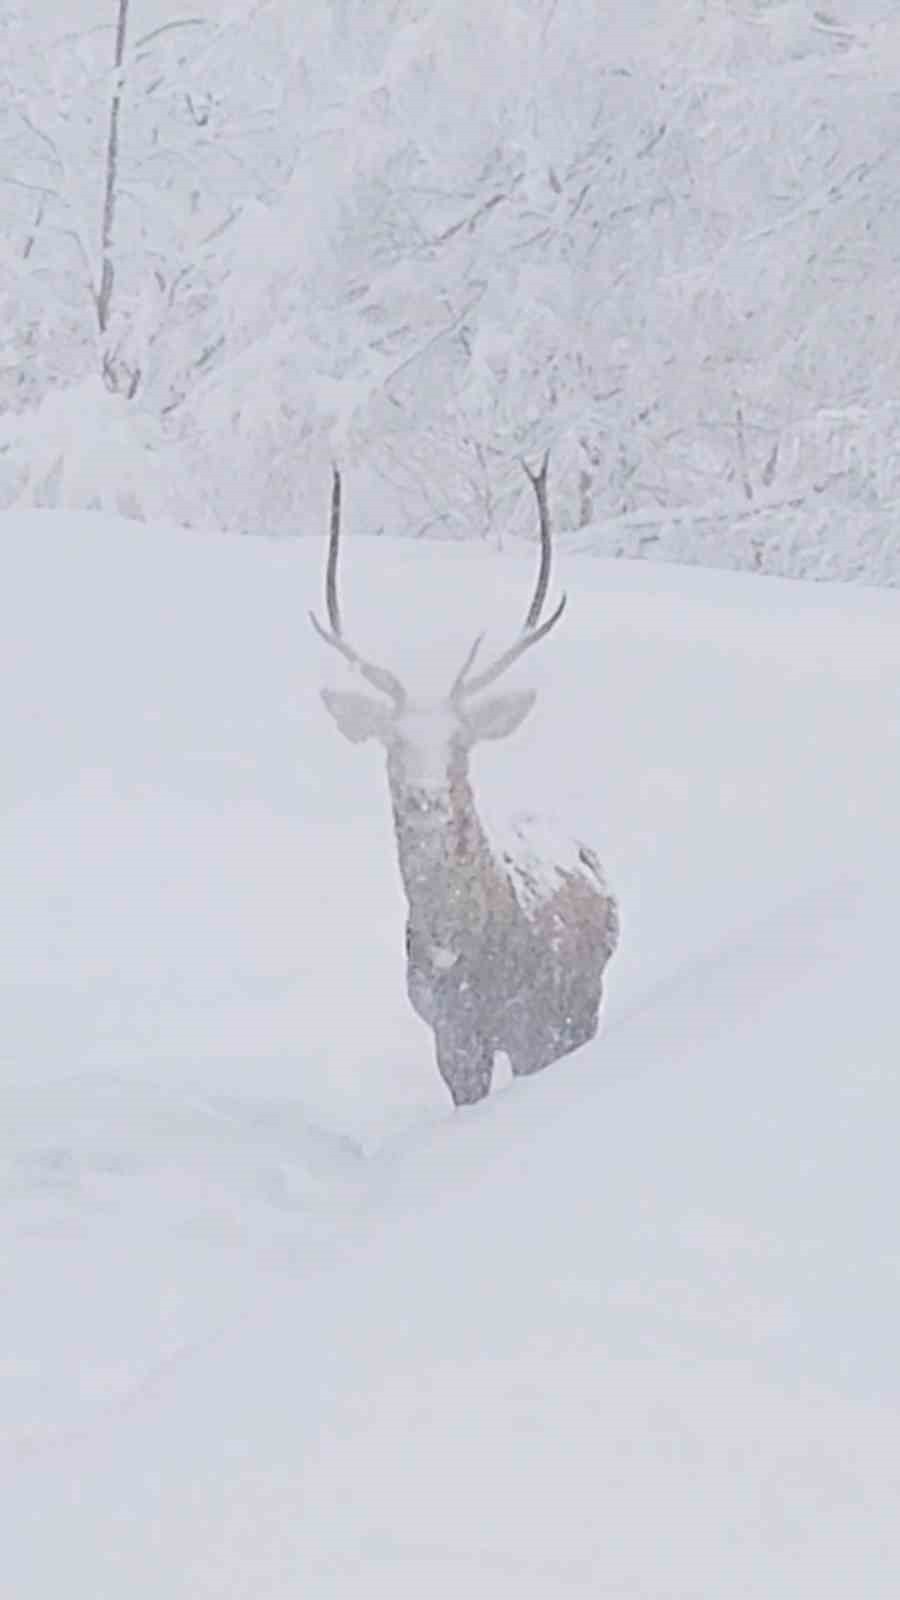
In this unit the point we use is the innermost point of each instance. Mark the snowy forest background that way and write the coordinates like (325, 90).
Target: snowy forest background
(430, 236)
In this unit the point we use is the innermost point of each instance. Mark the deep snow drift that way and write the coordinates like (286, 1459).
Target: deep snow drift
(276, 1321)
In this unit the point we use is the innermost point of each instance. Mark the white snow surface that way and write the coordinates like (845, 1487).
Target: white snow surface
(276, 1321)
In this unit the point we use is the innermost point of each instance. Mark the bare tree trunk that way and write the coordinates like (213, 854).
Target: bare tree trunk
(107, 278)
(587, 479)
(742, 452)
(585, 498)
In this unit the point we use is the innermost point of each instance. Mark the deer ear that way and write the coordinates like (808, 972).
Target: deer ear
(500, 716)
(357, 716)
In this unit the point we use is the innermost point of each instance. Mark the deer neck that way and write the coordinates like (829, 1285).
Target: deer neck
(443, 853)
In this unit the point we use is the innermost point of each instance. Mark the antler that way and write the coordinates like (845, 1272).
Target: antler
(379, 677)
(463, 685)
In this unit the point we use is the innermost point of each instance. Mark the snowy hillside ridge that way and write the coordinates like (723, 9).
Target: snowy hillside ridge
(277, 1322)
(815, 538)
(428, 241)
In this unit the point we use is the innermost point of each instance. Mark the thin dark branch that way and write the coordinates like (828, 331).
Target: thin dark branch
(29, 242)
(107, 274)
(32, 188)
(167, 27)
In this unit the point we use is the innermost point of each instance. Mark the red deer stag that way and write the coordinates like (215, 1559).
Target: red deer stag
(506, 942)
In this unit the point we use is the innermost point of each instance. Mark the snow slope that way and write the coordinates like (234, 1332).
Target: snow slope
(275, 1321)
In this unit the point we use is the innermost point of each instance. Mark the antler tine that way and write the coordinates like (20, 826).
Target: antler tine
(531, 633)
(334, 535)
(378, 677)
(460, 680)
(538, 481)
(523, 643)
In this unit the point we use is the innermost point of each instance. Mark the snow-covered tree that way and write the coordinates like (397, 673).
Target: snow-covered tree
(428, 240)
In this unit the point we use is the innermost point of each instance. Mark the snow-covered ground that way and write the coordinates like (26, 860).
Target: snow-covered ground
(275, 1321)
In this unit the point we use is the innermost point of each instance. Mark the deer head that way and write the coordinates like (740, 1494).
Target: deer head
(506, 947)
(429, 744)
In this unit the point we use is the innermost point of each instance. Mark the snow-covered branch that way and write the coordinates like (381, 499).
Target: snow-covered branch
(433, 237)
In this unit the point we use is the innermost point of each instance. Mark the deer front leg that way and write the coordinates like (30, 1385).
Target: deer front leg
(465, 1062)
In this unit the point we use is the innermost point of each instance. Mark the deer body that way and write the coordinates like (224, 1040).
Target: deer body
(507, 936)
(513, 960)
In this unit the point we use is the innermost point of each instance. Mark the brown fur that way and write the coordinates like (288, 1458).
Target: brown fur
(491, 967)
